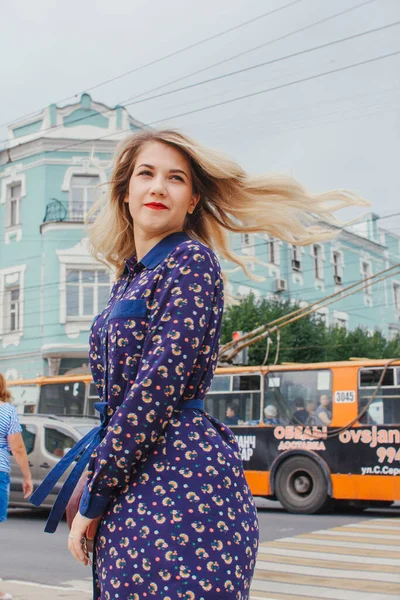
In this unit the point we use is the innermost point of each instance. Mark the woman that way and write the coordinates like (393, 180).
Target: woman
(176, 519)
(10, 440)
(271, 415)
(323, 414)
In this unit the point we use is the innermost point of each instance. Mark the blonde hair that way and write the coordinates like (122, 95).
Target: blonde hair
(230, 200)
(5, 395)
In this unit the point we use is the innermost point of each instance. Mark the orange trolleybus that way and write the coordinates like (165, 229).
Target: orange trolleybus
(309, 434)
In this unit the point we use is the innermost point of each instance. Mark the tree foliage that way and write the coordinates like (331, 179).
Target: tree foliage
(306, 340)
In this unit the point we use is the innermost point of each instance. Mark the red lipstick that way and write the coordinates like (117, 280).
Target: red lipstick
(156, 206)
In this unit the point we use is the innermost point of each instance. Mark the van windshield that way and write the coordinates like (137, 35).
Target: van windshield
(84, 429)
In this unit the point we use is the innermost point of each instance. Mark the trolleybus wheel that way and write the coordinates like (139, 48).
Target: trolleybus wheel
(301, 486)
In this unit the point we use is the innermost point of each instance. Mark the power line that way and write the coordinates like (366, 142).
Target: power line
(240, 54)
(301, 29)
(170, 55)
(252, 286)
(265, 63)
(90, 318)
(234, 73)
(225, 102)
(278, 87)
(263, 243)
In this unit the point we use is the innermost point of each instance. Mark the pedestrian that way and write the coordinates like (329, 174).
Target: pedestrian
(176, 519)
(10, 441)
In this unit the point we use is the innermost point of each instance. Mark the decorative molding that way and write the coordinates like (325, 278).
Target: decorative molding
(12, 232)
(41, 145)
(9, 276)
(81, 166)
(11, 176)
(340, 316)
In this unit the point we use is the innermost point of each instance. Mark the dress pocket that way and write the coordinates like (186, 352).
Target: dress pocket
(127, 328)
(129, 308)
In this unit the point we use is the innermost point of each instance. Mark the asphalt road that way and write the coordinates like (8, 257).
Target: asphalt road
(28, 554)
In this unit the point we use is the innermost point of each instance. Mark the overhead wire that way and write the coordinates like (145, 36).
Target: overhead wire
(253, 49)
(76, 144)
(237, 72)
(170, 55)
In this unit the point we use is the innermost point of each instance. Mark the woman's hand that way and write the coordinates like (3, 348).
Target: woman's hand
(77, 534)
(27, 487)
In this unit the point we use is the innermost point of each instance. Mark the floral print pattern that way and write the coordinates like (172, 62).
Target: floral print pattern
(179, 520)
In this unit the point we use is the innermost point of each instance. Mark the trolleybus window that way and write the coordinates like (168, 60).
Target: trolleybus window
(93, 397)
(235, 399)
(296, 396)
(385, 408)
(62, 398)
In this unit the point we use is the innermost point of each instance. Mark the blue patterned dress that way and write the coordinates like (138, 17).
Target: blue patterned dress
(179, 519)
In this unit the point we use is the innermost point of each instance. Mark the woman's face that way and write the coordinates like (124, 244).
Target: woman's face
(324, 400)
(160, 190)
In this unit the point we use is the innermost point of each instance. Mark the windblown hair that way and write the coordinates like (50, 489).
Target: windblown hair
(5, 395)
(230, 200)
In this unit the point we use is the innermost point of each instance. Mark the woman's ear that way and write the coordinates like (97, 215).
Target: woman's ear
(193, 203)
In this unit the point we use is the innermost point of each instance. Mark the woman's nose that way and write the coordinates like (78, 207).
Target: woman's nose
(158, 187)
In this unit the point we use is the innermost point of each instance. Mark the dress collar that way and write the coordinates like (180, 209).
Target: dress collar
(160, 251)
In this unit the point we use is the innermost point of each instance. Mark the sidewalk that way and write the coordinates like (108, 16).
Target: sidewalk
(21, 590)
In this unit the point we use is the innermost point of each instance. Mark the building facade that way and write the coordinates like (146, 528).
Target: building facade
(50, 287)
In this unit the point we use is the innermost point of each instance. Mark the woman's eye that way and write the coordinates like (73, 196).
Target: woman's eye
(145, 173)
(178, 177)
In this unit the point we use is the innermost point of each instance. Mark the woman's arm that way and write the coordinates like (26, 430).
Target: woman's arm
(187, 301)
(324, 417)
(17, 447)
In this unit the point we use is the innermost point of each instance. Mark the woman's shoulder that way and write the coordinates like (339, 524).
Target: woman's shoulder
(7, 409)
(195, 250)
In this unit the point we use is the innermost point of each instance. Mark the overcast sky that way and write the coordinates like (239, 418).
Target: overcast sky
(340, 130)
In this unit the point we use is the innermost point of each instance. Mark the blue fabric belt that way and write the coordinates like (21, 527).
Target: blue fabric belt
(82, 451)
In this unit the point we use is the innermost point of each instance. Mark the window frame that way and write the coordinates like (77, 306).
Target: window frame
(365, 274)
(81, 316)
(296, 258)
(338, 266)
(318, 262)
(396, 295)
(9, 312)
(10, 200)
(81, 214)
(282, 373)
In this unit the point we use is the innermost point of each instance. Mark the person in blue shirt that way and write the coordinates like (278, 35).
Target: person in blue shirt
(10, 441)
(300, 415)
(166, 487)
(231, 418)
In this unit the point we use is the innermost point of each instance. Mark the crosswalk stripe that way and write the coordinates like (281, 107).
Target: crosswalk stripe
(330, 582)
(358, 534)
(317, 591)
(360, 560)
(318, 540)
(328, 572)
(374, 529)
(383, 520)
(346, 563)
(334, 537)
(380, 558)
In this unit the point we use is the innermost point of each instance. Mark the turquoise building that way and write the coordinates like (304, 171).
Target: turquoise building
(50, 288)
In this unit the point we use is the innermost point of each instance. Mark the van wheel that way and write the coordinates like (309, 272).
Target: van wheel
(300, 486)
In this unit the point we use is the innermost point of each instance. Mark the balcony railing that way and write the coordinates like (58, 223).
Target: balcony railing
(57, 211)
